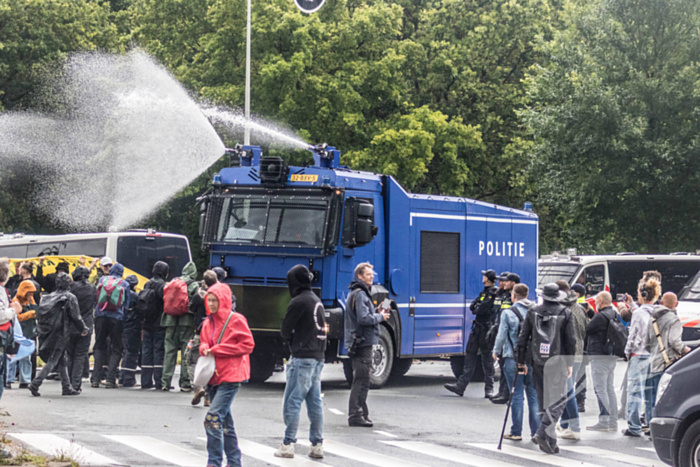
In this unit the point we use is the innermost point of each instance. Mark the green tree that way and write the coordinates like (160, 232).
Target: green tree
(615, 120)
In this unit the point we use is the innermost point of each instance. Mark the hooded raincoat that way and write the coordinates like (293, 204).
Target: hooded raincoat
(58, 312)
(160, 273)
(232, 354)
(86, 294)
(27, 318)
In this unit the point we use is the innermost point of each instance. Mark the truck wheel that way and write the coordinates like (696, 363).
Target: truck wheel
(262, 365)
(347, 369)
(382, 360)
(457, 364)
(689, 453)
(401, 367)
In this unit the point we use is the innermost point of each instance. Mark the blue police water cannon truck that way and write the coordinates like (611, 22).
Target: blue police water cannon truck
(261, 217)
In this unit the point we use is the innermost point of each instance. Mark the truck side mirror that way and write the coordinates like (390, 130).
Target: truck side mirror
(358, 228)
(202, 217)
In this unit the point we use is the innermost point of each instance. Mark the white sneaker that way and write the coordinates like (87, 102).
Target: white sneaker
(570, 434)
(560, 429)
(285, 450)
(316, 451)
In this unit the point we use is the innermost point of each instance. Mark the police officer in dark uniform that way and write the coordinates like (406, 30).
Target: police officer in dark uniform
(502, 302)
(482, 308)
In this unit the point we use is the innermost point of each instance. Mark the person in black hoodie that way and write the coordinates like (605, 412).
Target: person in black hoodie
(78, 344)
(132, 337)
(48, 282)
(547, 341)
(304, 329)
(153, 346)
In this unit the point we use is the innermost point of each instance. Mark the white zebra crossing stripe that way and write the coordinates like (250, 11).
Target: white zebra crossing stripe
(536, 456)
(648, 450)
(161, 450)
(448, 454)
(57, 446)
(362, 455)
(616, 456)
(267, 455)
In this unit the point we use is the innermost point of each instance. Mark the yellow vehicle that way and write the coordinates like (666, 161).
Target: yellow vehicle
(136, 250)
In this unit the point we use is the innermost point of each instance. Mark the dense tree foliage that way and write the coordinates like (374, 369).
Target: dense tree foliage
(590, 108)
(615, 118)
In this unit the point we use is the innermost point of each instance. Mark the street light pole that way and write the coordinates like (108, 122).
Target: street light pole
(246, 137)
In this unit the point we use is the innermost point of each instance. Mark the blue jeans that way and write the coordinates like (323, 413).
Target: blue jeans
(637, 375)
(221, 435)
(570, 414)
(650, 395)
(524, 386)
(303, 384)
(25, 370)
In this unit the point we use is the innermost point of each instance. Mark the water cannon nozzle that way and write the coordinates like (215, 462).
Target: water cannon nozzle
(322, 151)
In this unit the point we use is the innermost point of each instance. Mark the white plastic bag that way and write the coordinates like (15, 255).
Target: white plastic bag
(203, 372)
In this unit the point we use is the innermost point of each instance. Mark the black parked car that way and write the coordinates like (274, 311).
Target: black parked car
(675, 428)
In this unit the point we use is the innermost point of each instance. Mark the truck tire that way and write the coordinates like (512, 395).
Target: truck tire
(382, 360)
(401, 367)
(689, 452)
(347, 370)
(262, 365)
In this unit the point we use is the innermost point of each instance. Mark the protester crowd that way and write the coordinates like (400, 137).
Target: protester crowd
(543, 348)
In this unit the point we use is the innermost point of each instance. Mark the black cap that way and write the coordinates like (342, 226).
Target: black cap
(551, 293)
(490, 275)
(63, 266)
(503, 276)
(513, 277)
(579, 289)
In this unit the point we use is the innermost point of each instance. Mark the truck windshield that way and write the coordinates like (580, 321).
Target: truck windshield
(552, 272)
(273, 220)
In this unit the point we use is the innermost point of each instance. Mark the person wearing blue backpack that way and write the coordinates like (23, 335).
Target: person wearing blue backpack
(112, 303)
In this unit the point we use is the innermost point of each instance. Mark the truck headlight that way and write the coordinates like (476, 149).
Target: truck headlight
(663, 384)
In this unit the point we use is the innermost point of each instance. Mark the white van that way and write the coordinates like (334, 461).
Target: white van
(618, 273)
(689, 309)
(137, 250)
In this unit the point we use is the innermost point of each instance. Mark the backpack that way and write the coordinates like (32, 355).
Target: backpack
(616, 337)
(147, 304)
(110, 294)
(176, 299)
(546, 340)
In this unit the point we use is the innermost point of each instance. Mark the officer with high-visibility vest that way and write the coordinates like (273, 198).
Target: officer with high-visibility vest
(581, 377)
(482, 308)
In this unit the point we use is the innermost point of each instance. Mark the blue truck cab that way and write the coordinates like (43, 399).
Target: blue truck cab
(261, 217)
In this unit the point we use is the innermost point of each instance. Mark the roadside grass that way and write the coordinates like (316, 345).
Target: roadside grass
(24, 457)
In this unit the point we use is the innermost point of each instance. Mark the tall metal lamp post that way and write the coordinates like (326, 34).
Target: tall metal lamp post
(306, 6)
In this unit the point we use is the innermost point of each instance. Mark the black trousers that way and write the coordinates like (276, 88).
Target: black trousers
(361, 367)
(76, 356)
(550, 384)
(152, 354)
(130, 359)
(109, 353)
(477, 341)
(57, 360)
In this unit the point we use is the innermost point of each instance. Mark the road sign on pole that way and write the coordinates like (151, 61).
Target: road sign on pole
(309, 6)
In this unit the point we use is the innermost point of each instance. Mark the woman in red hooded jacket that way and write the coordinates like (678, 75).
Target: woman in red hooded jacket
(232, 353)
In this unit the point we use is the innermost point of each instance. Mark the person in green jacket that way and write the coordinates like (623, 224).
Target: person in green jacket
(178, 332)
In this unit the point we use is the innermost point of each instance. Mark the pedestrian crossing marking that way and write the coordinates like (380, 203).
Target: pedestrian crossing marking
(536, 456)
(362, 455)
(616, 456)
(648, 450)
(57, 446)
(385, 433)
(448, 454)
(161, 450)
(267, 455)
(335, 411)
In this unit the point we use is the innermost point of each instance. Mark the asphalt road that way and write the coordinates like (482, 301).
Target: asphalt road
(416, 422)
